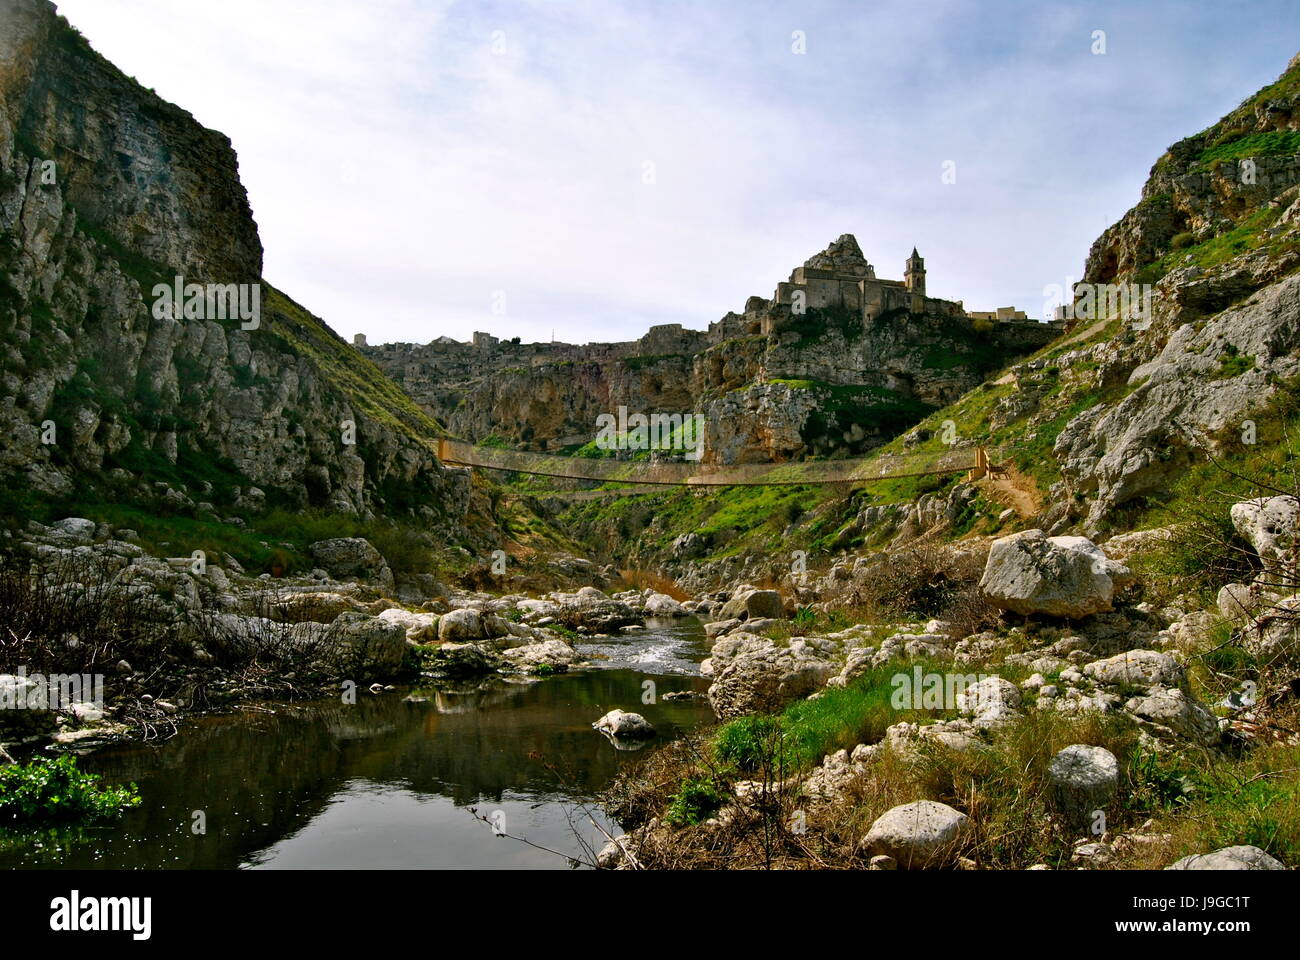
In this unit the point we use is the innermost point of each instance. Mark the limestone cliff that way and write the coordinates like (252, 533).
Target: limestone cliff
(106, 191)
(1214, 365)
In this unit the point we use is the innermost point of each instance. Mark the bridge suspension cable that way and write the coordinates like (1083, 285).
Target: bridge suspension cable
(974, 459)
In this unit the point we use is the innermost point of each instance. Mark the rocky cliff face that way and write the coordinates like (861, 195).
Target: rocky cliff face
(105, 192)
(1217, 235)
(1206, 185)
(772, 384)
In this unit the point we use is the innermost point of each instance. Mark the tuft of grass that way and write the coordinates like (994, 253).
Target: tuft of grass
(807, 730)
(697, 799)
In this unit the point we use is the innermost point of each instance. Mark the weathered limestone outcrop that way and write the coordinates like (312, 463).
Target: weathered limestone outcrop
(107, 191)
(753, 674)
(1201, 197)
(1029, 573)
(1184, 398)
(1222, 337)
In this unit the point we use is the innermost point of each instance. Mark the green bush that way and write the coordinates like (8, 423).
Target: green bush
(48, 791)
(695, 801)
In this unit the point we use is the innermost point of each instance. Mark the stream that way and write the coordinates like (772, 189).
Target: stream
(389, 782)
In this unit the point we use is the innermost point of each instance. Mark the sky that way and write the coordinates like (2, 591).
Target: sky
(583, 170)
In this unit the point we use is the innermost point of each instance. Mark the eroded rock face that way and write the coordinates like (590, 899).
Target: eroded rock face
(918, 835)
(753, 674)
(1269, 524)
(140, 194)
(1030, 573)
(1220, 339)
(1115, 453)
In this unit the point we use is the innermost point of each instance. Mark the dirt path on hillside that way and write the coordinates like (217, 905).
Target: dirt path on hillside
(1013, 489)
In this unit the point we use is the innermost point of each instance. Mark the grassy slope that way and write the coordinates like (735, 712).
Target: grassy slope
(347, 370)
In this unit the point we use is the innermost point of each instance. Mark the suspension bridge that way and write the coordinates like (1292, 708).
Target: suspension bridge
(974, 460)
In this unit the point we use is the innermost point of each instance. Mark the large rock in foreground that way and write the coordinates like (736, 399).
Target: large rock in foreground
(1229, 858)
(918, 835)
(347, 558)
(366, 643)
(754, 674)
(1084, 780)
(1030, 573)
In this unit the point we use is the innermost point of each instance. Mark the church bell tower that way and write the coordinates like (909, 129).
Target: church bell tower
(914, 278)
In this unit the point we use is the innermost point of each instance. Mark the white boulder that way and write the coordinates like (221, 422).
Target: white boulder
(1030, 573)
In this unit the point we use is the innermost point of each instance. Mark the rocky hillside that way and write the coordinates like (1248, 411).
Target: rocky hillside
(1218, 234)
(772, 382)
(107, 192)
(1125, 422)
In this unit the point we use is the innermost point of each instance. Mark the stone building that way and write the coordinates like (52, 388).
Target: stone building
(1001, 314)
(840, 277)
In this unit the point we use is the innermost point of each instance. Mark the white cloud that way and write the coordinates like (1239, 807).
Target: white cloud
(401, 171)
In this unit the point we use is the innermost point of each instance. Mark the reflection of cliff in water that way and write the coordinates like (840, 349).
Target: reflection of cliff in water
(263, 776)
(480, 754)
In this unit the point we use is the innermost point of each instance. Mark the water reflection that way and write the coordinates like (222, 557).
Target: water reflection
(382, 783)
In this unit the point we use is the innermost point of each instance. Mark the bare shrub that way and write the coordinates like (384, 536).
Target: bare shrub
(70, 613)
(926, 580)
(645, 579)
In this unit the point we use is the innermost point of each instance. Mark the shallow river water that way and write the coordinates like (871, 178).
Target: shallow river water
(388, 783)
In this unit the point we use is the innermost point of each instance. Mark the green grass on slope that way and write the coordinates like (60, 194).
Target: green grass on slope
(1272, 143)
(347, 370)
(807, 730)
(1230, 137)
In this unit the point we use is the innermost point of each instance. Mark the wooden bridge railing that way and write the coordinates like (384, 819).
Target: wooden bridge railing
(972, 459)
